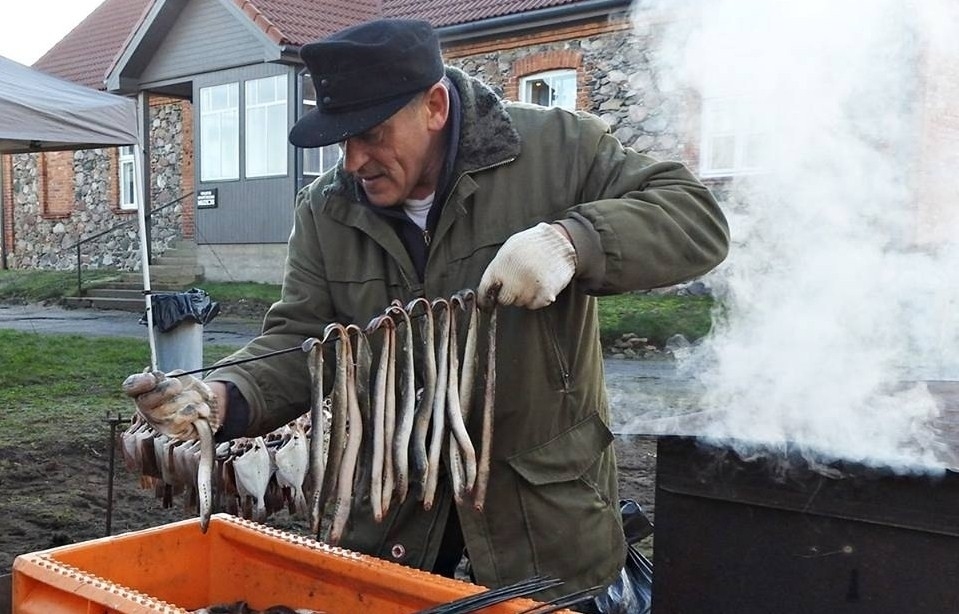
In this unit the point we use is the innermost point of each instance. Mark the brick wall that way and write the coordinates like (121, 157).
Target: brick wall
(558, 56)
(188, 220)
(56, 184)
(6, 233)
(615, 79)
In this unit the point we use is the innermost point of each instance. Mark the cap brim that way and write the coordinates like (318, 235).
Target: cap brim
(318, 128)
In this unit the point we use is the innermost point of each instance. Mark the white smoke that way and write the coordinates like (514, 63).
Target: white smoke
(841, 292)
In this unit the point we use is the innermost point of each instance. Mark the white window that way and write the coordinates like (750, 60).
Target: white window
(556, 88)
(318, 160)
(127, 178)
(732, 138)
(266, 127)
(220, 132)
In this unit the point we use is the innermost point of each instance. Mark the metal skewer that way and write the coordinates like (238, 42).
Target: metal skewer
(306, 346)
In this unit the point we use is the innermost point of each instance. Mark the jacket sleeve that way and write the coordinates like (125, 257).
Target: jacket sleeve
(641, 223)
(277, 389)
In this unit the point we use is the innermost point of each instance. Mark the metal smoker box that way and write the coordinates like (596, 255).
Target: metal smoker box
(776, 535)
(175, 569)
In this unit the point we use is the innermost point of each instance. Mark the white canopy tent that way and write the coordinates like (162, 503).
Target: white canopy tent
(43, 113)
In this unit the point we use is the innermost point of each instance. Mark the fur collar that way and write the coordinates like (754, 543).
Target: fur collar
(487, 135)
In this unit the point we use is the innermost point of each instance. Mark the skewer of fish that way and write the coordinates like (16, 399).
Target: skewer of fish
(344, 487)
(439, 400)
(462, 455)
(424, 408)
(385, 442)
(404, 422)
(317, 451)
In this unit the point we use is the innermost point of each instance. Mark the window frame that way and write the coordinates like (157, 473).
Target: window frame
(322, 154)
(276, 140)
(125, 159)
(547, 76)
(205, 115)
(741, 127)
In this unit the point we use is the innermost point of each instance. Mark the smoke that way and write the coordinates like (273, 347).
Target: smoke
(841, 293)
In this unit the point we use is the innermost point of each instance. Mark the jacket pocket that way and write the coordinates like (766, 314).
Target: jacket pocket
(566, 457)
(565, 489)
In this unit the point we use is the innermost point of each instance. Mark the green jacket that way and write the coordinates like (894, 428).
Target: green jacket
(552, 506)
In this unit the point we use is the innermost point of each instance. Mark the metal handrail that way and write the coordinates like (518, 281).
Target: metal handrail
(80, 243)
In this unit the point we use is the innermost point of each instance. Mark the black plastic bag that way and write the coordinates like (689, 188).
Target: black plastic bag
(632, 592)
(171, 310)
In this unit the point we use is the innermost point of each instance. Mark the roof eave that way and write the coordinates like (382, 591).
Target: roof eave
(528, 19)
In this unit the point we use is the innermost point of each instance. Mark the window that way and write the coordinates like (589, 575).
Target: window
(127, 177)
(266, 127)
(316, 161)
(733, 139)
(556, 88)
(219, 132)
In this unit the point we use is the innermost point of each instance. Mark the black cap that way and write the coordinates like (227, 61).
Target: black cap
(365, 74)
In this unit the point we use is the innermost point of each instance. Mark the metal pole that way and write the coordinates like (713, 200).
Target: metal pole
(112, 470)
(79, 280)
(138, 165)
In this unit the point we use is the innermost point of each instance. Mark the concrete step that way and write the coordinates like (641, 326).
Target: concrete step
(134, 281)
(174, 274)
(103, 302)
(114, 292)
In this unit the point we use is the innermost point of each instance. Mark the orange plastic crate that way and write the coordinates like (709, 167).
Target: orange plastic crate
(176, 568)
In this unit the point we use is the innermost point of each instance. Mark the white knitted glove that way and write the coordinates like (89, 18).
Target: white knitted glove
(172, 404)
(529, 270)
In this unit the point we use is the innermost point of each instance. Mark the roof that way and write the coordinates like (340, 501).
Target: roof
(300, 21)
(85, 53)
(451, 12)
(88, 52)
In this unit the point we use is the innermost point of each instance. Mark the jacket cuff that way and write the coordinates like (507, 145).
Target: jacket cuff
(590, 258)
(237, 416)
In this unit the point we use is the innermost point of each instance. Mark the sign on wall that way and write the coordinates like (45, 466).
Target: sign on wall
(206, 199)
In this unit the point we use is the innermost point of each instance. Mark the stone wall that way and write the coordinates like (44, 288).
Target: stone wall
(47, 222)
(614, 79)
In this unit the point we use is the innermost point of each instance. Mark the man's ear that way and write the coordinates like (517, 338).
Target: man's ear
(438, 105)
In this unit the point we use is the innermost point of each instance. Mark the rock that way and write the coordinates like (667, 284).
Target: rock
(677, 342)
(697, 288)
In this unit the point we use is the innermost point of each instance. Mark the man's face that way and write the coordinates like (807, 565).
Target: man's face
(401, 157)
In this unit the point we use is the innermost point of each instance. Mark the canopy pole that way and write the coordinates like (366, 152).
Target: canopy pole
(138, 171)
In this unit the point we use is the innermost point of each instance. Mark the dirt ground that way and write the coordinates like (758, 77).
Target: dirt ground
(57, 496)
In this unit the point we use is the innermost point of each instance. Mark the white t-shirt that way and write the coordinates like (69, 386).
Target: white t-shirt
(419, 209)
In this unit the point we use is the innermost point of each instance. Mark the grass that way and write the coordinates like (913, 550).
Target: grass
(656, 317)
(65, 385)
(242, 291)
(17, 286)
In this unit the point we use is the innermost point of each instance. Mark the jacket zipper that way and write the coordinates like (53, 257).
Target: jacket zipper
(561, 365)
(427, 237)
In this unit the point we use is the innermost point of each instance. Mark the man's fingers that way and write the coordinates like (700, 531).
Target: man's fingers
(139, 383)
(488, 292)
(161, 393)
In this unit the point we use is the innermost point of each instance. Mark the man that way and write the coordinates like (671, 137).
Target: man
(442, 187)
